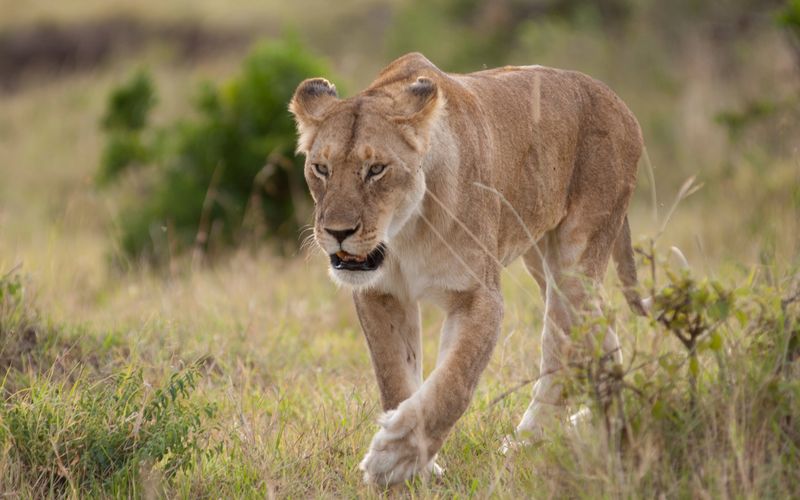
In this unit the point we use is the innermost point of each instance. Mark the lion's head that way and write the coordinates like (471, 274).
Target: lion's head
(363, 167)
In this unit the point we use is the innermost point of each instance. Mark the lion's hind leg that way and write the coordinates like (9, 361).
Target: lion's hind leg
(572, 259)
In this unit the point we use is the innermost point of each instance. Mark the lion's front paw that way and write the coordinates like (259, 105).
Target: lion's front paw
(399, 449)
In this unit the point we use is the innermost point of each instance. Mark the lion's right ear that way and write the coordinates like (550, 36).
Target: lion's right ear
(419, 105)
(310, 104)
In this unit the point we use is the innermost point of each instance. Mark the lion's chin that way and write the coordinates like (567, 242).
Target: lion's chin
(355, 279)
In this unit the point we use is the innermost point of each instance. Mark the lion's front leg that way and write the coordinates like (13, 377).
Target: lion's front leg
(411, 435)
(392, 330)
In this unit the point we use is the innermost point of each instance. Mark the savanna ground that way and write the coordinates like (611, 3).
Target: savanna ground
(248, 376)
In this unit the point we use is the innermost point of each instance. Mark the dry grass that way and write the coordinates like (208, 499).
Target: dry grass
(285, 364)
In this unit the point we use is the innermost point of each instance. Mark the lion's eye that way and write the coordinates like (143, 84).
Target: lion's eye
(376, 169)
(322, 170)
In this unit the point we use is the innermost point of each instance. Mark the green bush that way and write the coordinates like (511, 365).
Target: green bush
(84, 435)
(721, 387)
(73, 420)
(789, 16)
(124, 122)
(226, 173)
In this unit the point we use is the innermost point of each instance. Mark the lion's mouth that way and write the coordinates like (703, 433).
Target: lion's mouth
(348, 262)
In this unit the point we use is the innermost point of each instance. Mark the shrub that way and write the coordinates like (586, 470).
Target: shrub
(73, 420)
(789, 16)
(88, 434)
(226, 172)
(723, 383)
(125, 120)
(11, 301)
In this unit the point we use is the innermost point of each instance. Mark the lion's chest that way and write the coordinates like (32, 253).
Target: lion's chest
(426, 272)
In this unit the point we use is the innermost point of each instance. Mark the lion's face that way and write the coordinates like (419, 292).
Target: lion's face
(363, 167)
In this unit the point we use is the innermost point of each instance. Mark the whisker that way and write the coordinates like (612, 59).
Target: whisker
(305, 229)
(306, 238)
(309, 247)
(309, 244)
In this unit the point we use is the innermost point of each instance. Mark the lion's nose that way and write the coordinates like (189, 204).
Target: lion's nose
(342, 234)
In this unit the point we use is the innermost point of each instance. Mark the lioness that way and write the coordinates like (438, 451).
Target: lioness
(426, 185)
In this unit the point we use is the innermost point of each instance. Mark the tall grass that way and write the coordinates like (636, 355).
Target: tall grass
(283, 402)
(705, 404)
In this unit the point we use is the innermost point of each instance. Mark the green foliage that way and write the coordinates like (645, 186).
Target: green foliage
(11, 292)
(789, 16)
(130, 103)
(691, 309)
(124, 122)
(730, 386)
(226, 172)
(736, 122)
(87, 433)
(16, 320)
(71, 429)
(756, 373)
(122, 149)
(669, 419)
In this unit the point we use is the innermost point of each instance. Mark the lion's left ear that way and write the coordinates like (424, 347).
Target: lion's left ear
(310, 104)
(419, 107)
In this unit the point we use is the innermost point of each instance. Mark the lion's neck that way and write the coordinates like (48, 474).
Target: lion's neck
(428, 250)
(442, 167)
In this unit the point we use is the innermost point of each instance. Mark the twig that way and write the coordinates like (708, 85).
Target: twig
(519, 386)
(514, 389)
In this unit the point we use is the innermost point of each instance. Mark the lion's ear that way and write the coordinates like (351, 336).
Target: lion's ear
(310, 104)
(419, 106)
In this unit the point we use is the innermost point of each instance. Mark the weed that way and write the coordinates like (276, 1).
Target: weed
(88, 433)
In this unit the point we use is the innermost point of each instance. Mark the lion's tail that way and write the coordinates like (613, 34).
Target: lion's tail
(626, 269)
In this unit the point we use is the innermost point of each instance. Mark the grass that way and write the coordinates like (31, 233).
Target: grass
(282, 401)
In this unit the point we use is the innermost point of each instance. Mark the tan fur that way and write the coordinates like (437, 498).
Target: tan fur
(482, 168)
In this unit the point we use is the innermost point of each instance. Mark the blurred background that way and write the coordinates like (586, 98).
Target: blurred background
(142, 132)
(152, 214)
